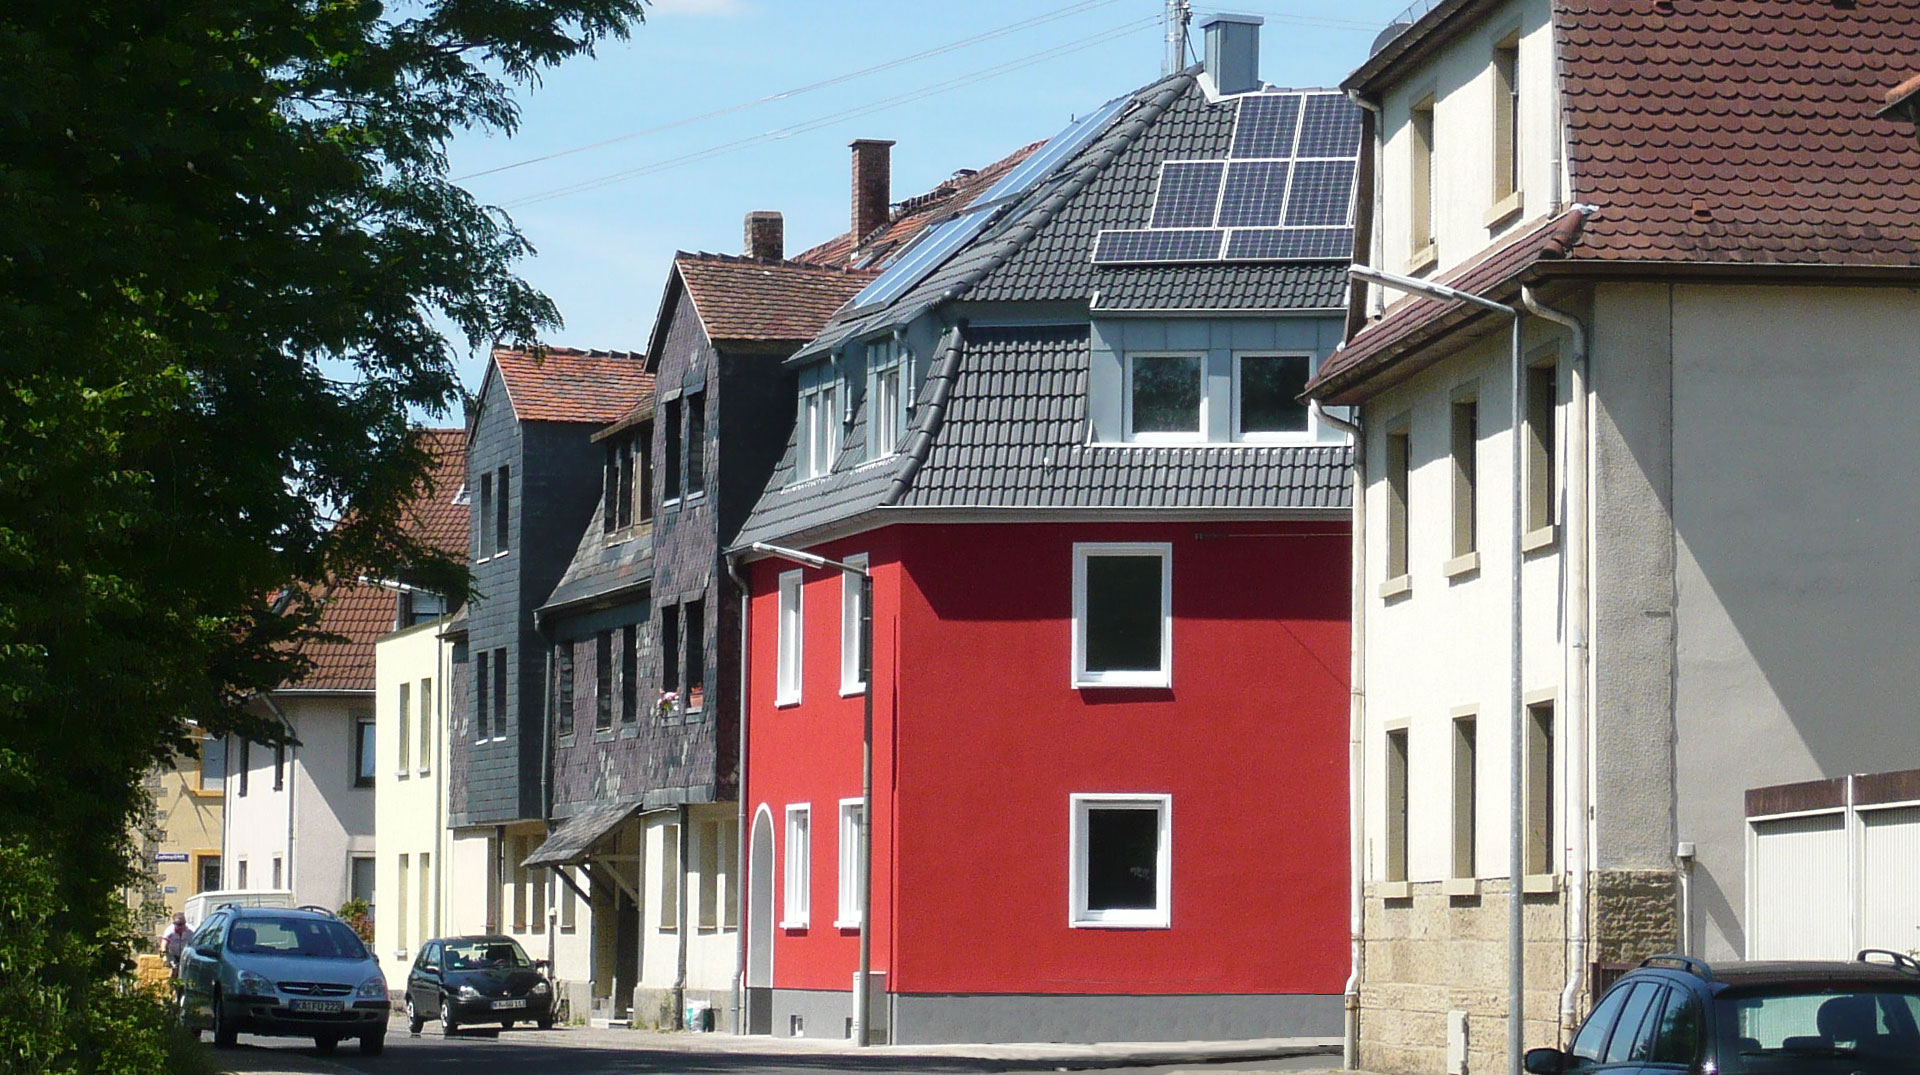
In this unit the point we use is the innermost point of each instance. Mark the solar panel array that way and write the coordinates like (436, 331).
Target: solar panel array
(1284, 193)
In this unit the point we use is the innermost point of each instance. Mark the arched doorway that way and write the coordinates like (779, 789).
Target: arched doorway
(760, 925)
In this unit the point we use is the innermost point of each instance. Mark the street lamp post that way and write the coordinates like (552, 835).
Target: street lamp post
(861, 989)
(1517, 788)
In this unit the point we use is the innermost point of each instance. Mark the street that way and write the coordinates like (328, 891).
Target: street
(579, 1051)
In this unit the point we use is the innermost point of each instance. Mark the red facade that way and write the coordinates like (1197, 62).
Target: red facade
(981, 739)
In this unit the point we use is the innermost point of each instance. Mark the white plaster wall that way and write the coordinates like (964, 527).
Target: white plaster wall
(257, 822)
(1797, 579)
(1445, 643)
(410, 809)
(469, 877)
(332, 819)
(711, 952)
(1461, 81)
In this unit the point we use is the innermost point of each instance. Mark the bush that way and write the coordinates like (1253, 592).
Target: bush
(358, 915)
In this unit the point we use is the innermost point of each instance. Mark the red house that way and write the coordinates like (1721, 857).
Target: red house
(1109, 563)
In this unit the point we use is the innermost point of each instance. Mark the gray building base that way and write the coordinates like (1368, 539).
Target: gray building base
(654, 1009)
(949, 1018)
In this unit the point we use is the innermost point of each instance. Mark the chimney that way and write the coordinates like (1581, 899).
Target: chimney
(872, 184)
(766, 235)
(1233, 51)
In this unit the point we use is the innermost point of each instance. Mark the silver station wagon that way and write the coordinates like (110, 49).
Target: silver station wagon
(283, 972)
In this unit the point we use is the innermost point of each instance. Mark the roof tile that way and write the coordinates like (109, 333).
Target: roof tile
(742, 298)
(563, 384)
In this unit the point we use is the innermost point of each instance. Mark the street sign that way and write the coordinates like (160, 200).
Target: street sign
(169, 856)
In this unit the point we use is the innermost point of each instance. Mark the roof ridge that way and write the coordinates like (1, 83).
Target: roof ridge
(552, 350)
(771, 263)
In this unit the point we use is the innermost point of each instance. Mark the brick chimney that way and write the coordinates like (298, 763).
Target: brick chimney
(872, 184)
(766, 235)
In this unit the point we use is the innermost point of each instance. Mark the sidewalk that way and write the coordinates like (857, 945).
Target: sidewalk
(1068, 1055)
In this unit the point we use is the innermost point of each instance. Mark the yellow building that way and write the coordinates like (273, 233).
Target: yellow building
(182, 848)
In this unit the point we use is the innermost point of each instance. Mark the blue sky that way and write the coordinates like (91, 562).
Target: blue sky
(604, 251)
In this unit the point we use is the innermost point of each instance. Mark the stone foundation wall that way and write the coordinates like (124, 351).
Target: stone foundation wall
(1636, 914)
(654, 1009)
(1429, 954)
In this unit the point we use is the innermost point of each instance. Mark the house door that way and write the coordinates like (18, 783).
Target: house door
(626, 957)
(760, 926)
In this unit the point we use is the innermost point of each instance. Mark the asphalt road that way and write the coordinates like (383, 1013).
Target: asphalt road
(587, 1052)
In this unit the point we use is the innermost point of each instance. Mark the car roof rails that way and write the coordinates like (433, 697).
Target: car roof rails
(1696, 967)
(317, 909)
(1898, 960)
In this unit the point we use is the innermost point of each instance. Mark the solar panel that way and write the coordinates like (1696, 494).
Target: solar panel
(1188, 192)
(1156, 245)
(932, 247)
(1321, 194)
(1265, 125)
(1045, 160)
(1255, 192)
(1289, 244)
(1329, 128)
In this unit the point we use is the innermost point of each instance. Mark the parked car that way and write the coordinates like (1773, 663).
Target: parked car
(289, 972)
(1815, 1017)
(462, 981)
(201, 903)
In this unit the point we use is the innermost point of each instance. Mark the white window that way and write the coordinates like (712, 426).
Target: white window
(426, 726)
(818, 443)
(1266, 397)
(711, 875)
(1122, 615)
(787, 690)
(852, 821)
(794, 911)
(1166, 400)
(1122, 856)
(405, 725)
(852, 660)
(886, 402)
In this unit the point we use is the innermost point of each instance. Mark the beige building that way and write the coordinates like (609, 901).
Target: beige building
(411, 674)
(183, 847)
(1714, 325)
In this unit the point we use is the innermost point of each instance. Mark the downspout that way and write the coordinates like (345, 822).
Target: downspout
(684, 926)
(1576, 603)
(739, 878)
(1356, 747)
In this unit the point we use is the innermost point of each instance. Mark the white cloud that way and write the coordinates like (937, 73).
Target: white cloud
(660, 8)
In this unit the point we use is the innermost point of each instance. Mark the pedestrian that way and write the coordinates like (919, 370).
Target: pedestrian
(174, 943)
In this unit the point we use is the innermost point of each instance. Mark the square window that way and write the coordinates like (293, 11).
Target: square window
(1267, 397)
(1122, 615)
(1164, 397)
(799, 880)
(787, 691)
(1122, 859)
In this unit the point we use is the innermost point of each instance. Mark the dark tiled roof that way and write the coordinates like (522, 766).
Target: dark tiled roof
(601, 567)
(749, 299)
(1012, 435)
(434, 517)
(562, 384)
(1741, 130)
(1418, 319)
(912, 216)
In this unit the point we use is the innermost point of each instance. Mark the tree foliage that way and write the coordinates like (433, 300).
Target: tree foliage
(227, 240)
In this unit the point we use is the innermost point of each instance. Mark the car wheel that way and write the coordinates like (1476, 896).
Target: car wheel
(506, 1024)
(324, 1043)
(373, 1044)
(225, 1034)
(448, 1022)
(183, 1013)
(414, 1022)
(545, 1022)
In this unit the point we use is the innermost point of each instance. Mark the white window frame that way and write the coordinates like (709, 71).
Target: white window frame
(886, 416)
(1079, 916)
(790, 626)
(851, 682)
(1082, 676)
(1305, 436)
(817, 444)
(404, 726)
(795, 909)
(1198, 436)
(851, 821)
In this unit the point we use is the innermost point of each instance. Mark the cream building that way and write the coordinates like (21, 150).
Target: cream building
(188, 811)
(1706, 701)
(411, 672)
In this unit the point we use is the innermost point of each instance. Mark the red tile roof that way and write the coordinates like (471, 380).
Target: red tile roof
(1418, 319)
(563, 384)
(741, 298)
(914, 214)
(1741, 130)
(433, 517)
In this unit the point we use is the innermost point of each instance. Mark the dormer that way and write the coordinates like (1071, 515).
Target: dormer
(1466, 145)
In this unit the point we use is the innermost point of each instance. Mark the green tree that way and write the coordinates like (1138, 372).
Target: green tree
(227, 238)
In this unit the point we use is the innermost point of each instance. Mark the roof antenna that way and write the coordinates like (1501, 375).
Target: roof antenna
(1179, 14)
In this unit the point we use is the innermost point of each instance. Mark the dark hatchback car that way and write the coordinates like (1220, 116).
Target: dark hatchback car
(465, 981)
(1678, 1014)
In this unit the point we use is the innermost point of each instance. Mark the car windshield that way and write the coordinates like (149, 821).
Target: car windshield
(322, 938)
(1846, 1029)
(484, 954)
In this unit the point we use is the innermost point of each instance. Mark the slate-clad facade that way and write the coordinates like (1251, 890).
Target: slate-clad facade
(1020, 768)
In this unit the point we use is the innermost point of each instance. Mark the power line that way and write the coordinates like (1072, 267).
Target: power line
(952, 46)
(1296, 19)
(944, 86)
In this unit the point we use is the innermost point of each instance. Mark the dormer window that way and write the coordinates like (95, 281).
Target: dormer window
(1165, 399)
(886, 398)
(1267, 392)
(817, 440)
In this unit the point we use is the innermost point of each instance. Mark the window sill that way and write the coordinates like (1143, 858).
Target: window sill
(1397, 586)
(206, 793)
(426, 772)
(603, 735)
(669, 929)
(1422, 259)
(500, 555)
(1465, 564)
(786, 703)
(1503, 212)
(402, 775)
(793, 925)
(630, 733)
(1155, 683)
(1393, 890)
(361, 784)
(1095, 923)
(839, 923)
(1461, 887)
(852, 690)
(670, 504)
(1535, 540)
(1540, 884)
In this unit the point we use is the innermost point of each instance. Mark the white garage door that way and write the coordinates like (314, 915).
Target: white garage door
(1799, 889)
(1890, 878)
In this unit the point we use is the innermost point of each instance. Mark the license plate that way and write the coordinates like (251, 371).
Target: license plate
(499, 1004)
(318, 1006)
